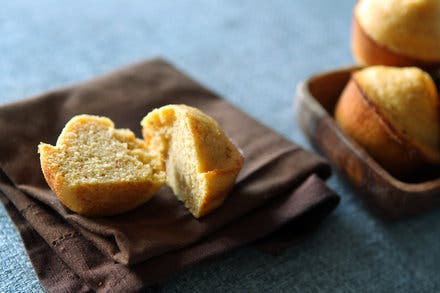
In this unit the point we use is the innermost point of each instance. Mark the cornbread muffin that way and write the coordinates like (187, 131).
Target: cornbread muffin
(394, 113)
(397, 32)
(201, 162)
(96, 169)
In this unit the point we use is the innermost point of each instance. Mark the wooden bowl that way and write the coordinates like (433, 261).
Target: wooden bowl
(391, 197)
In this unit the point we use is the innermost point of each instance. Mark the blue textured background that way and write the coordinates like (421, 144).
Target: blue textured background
(253, 53)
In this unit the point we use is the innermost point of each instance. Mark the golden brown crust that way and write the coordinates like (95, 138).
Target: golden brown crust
(369, 52)
(361, 120)
(219, 184)
(48, 169)
(92, 200)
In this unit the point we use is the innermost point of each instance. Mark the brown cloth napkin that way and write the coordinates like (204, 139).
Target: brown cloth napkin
(278, 185)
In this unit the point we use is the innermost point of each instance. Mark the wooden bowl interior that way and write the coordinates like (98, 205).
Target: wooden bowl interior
(327, 88)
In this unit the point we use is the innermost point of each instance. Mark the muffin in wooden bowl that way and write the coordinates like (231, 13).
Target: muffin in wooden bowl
(397, 33)
(394, 113)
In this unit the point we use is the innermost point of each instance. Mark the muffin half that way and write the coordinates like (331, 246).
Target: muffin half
(96, 169)
(201, 162)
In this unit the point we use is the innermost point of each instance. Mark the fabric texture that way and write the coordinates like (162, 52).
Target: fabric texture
(278, 184)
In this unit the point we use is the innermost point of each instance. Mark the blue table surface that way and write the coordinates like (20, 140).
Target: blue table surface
(253, 53)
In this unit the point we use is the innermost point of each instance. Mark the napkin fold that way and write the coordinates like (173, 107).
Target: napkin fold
(280, 184)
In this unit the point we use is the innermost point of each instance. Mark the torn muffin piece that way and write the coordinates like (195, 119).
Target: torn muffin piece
(96, 169)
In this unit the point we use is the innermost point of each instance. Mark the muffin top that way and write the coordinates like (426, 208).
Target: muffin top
(408, 100)
(408, 27)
